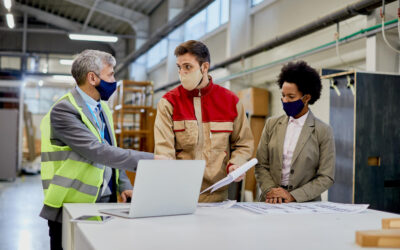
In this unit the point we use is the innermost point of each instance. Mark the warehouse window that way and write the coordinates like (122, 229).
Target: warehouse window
(157, 53)
(40, 99)
(213, 15)
(195, 27)
(207, 20)
(255, 2)
(224, 11)
(141, 60)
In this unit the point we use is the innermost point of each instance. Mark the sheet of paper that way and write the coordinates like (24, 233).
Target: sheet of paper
(232, 176)
(224, 204)
(302, 208)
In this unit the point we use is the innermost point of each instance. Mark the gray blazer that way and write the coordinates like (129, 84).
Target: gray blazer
(313, 163)
(67, 128)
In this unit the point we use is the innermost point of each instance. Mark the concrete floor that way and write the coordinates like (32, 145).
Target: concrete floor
(21, 228)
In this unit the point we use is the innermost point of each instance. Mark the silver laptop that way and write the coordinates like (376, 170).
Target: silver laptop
(164, 187)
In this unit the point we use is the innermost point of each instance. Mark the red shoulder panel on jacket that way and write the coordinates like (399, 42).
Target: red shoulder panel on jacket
(219, 105)
(182, 104)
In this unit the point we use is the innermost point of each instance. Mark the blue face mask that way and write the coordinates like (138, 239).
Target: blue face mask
(293, 108)
(106, 89)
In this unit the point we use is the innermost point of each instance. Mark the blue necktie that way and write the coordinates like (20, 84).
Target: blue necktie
(111, 183)
(106, 134)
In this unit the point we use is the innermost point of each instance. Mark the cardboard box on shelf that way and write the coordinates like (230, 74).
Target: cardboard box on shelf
(255, 101)
(256, 125)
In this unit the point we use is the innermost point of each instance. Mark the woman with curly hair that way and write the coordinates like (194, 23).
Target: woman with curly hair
(296, 153)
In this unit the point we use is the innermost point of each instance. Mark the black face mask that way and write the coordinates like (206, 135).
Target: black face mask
(106, 89)
(293, 108)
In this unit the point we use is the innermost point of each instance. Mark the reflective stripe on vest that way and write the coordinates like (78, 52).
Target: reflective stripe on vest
(65, 155)
(70, 183)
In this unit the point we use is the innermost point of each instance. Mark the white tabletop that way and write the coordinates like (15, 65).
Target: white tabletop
(218, 228)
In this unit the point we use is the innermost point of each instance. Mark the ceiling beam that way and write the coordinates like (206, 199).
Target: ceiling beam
(55, 20)
(89, 16)
(66, 24)
(55, 31)
(138, 21)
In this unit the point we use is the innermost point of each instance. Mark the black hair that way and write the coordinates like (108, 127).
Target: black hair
(305, 77)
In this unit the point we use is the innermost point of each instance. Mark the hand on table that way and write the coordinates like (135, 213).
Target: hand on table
(125, 195)
(279, 195)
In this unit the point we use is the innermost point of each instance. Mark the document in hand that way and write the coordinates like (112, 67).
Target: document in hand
(232, 176)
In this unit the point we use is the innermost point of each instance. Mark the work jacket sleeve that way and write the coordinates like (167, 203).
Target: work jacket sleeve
(241, 141)
(164, 135)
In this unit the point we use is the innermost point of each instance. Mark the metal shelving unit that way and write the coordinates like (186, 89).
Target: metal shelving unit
(11, 125)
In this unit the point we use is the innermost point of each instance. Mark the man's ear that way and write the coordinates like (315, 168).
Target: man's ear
(91, 78)
(205, 67)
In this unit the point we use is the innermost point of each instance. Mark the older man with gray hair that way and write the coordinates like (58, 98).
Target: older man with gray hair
(81, 162)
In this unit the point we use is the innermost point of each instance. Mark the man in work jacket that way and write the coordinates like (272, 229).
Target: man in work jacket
(200, 120)
(80, 160)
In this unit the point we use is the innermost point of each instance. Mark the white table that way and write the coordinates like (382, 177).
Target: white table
(217, 228)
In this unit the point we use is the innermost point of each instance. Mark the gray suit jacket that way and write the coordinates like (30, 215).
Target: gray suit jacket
(313, 162)
(67, 128)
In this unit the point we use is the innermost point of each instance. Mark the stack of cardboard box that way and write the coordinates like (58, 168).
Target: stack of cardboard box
(256, 105)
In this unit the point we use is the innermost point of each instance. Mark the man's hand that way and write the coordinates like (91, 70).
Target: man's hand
(125, 195)
(161, 157)
(234, 167)
(279, 195)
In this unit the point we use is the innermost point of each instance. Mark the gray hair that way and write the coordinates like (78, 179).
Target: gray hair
(90, 61)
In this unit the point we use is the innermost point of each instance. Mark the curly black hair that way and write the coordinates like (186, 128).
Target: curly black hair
(306, 78)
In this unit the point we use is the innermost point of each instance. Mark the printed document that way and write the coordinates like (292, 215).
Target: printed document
(232, 176)
(324, 207)
(224, 204)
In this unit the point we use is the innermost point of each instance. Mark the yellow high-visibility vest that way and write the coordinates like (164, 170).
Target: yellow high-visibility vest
(68, 177)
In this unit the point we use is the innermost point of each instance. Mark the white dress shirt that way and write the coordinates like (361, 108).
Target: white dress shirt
(292, 136)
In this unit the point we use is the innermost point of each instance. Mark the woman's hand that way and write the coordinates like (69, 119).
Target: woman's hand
(279, 195)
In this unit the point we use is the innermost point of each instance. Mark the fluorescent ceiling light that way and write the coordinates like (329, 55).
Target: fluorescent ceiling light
(96, 38)
(66, 61)
(10, 20)
(7, 4)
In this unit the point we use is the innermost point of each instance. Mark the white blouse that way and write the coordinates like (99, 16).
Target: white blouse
(292, 136)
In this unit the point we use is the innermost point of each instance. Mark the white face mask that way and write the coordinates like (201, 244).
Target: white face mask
(191, 80)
